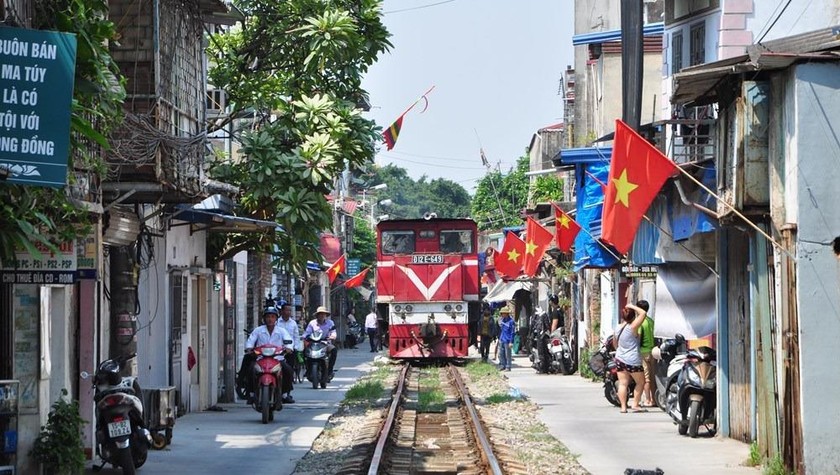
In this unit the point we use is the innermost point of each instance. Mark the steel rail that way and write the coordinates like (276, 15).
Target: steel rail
(389, 423)
(486, 449)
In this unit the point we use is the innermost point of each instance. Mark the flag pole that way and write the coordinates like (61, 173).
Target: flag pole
(736, 212)
(415, 102)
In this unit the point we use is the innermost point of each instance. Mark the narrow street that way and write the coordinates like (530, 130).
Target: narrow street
(234, 441)
(608, 442)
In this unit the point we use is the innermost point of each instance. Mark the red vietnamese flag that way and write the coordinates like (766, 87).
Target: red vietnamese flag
(509, 261)
(357, 279)
(338, 267)
(537, 240)
(566, 229)
(637, 172)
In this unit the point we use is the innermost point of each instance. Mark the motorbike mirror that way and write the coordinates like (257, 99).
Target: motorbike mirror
(680, 339)
(84, 375)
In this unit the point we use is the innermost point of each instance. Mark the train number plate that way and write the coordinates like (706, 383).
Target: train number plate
(117, 429)
(427, 259)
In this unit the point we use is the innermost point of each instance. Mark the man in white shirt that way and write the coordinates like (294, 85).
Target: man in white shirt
(371, 327)
(273, 334)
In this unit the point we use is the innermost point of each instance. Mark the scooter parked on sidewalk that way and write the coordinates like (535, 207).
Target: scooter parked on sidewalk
(551, 353)
(670, 355)
(602, 363)
(121, 438)
(357, 330)
(692, 401)
(316, 354)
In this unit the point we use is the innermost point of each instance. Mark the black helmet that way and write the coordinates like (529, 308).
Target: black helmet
(108, 373)
(553, 299)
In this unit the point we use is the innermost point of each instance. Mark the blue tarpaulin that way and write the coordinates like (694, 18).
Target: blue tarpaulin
(590, 203)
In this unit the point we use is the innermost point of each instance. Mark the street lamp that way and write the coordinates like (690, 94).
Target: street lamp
(385, 202)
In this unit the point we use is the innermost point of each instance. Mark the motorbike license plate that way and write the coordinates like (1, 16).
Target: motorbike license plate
(117, 429)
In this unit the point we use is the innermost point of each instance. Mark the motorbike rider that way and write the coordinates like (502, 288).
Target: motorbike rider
(327, 326)
(555, 313)
(272, 334)
(290, 325)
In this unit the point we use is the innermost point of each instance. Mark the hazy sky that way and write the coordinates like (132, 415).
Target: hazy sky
(496, 66)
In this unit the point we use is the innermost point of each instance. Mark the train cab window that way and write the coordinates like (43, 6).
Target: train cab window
(397, 242)
(456, 242)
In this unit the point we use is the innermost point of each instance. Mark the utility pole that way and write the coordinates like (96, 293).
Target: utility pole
(123, 303)
(632, 52)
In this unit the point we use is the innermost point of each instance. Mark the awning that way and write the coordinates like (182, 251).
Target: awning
(215, 221)
(651, 29)
(503, 291)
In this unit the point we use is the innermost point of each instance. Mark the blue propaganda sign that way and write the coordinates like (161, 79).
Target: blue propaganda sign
(36, 89)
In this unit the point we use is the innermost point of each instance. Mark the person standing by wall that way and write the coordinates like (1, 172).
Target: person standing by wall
(371, 327)
(488, 330)
(507, 330)
(646, 344)
(628, 358)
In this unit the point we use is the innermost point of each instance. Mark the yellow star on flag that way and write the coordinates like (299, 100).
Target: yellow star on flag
(337, 270)
(513, 256)
(623, 188)
(564, 221)
(530, 247)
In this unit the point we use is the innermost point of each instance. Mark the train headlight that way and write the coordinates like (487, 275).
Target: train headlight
(397, 308)
(459, 307)
(447, 308)
(408, 308)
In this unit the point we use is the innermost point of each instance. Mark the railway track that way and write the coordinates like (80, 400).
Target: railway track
(416, 437)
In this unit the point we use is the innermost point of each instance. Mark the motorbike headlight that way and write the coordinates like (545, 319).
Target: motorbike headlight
(268, 351)
(694, 377)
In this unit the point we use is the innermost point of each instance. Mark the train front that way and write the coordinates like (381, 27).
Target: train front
(427, 286)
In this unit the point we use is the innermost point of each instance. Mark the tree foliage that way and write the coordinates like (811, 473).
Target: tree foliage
(47, 217)
(500, 199)
(412, 199)
(296, 67)
(547, 188)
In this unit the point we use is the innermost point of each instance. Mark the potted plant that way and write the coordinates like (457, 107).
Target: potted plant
(59, 447)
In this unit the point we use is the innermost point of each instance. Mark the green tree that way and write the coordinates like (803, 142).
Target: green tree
(547, 188)
(364, 243)
(412, 199)
(295, 66)
(508, 192)
(32, 215)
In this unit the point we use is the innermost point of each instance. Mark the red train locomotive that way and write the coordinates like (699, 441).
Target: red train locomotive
(427, 285)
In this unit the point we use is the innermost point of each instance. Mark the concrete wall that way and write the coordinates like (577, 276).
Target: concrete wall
(813, 176)
(798, 17)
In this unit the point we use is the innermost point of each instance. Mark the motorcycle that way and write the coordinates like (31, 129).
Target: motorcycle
(316, 354)
(357, 331)
(692, 400)
(121, 437)
(670, 355)
(602, 364)
(269, 378)
(551, 353)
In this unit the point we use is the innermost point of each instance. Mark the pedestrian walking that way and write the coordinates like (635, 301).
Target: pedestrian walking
(371, 327)
(507, 330)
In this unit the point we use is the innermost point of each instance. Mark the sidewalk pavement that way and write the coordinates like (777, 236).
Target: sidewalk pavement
(235, 441)
(608, 442)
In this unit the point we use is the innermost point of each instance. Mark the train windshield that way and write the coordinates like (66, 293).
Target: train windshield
(397, 242)
(456, 242)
